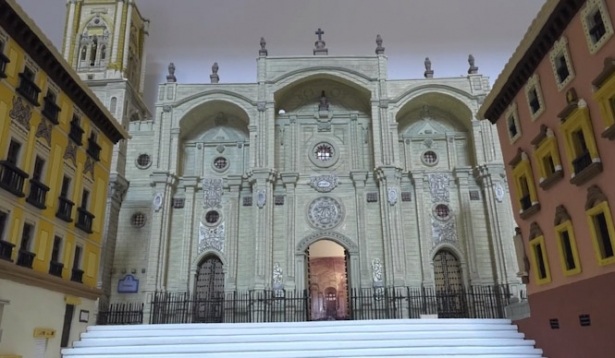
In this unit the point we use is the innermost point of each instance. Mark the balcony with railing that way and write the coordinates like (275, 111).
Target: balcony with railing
(3, 61)
(12, 178)
(93, 149)
(65, 209)
(28, 89)
(526, 202)
(25, 258)
(76, 132)
(6, 250)
(55, 268)
(581, 162)
(51, 110)
(84, 220)
(38, 194)
(585, 168)
(77, 275)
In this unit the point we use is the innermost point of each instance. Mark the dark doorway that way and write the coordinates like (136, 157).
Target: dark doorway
(68, 321)
(327, 278)
(209, 293)
(449, 285)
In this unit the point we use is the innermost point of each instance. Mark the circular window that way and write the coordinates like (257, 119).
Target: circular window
(220, 163)
(323, 152)
(212, 217)
(442, 211)
(138, 220)
(144, 161)
(430, 158)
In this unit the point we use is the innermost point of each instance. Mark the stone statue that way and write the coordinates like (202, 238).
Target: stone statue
(324, 102)
(277, 277)
(171, 75)
(473, 69)
(377, 274)
(379, 48)
(428, 71)
(263, 51)
(214, 73)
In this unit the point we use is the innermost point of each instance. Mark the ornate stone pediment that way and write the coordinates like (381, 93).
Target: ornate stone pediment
(21, 112)
(211, 238)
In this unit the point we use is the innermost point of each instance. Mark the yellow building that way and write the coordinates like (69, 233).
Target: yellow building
(56, 143)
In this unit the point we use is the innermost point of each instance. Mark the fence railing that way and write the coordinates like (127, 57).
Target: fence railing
(120, 313)
(296, 306)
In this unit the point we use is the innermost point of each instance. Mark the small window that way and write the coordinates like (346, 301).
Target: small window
(513, 127)
(605, 241)
(3, 59)
(138, 220)
(583, 156)
(601, 225)
(540, 263)
(549, 164)
(525, 189)
(93, 137)
(65, 187)
(28, 74)
(220, 163)
(562, 68)
(442, 211)
(143, 161)
(596, 26)
(85, 199)
(525, 200)
(13, 153)
(84, 52)
(569, 260)
(39, 165)
(533, 99)
(26, 237)
(3, 224)
(561, 63)
(77, 257)
(56, 249)
(430, 157)
(596, 23)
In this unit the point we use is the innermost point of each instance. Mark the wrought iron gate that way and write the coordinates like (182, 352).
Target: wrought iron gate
(449, 286)
(209, 293)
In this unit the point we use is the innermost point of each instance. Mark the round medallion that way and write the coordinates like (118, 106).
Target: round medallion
(325, 213)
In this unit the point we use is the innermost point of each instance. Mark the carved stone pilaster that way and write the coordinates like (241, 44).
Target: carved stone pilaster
(389, 179)
(190, 185)
(233, 183)
(262, 189)
(358, 180)
(162, 182)
(463, 175)
(419, 179)
(290, 184)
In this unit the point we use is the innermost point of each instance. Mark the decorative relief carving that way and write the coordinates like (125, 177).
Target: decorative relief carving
(324, 183)
(343, 240)
(157, 202)
(278, 277)
(439, 187)
(261, 198)
(71, 152)
(211, 238)
(212, 189)
(377, 272)
(43, 131)
(498, 191)
(325, 213)
(21, 112)
(392, 195)
(444, 231)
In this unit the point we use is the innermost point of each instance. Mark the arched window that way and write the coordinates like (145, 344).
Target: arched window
(113, 105)
(84, 52)
(103, 52)
(93, 50)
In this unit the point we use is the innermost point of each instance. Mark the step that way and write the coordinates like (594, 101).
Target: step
(432, 352)
(319, 337)
(212, 329)
(286, 325)
(520, 346)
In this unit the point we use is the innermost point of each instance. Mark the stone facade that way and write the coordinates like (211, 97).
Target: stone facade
(321, 147)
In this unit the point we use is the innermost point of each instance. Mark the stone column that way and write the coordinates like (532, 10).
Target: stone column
(127, 35)
(69, 35)
(174, 151)
(115, 49)
(232, 231)
(464, 220)
(358, 179)
(389, 179)
(290, 183)
(118, 186)
(191, 219)
(418, 178)
(262, 189)
(355, 141)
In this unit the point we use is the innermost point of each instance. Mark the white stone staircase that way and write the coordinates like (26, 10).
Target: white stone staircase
(482, 338)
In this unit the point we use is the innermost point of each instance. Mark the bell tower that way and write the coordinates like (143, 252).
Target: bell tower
(104, 41)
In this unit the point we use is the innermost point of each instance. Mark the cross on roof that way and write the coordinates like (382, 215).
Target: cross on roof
(319, 33)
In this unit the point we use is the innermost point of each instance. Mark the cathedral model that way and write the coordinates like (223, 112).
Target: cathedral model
(324, 175)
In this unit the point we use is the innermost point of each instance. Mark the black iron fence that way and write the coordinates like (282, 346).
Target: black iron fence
(120, 313)
(296, 306)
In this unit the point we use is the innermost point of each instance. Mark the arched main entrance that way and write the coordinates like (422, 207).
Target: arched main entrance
(209, 291)
(449, 285)
(327, 278)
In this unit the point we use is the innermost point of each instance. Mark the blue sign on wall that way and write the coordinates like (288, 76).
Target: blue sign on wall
(128, 284)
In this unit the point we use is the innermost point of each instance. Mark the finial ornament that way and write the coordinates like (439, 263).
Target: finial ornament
(428, 71)
(320, 44)
(214, 73)
(171, 76)
(263, 51)
(473, 69)
(379, 48)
